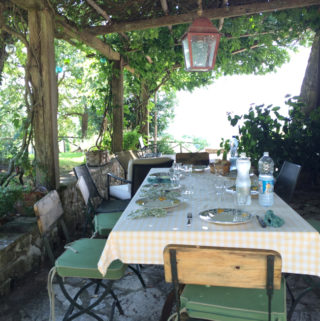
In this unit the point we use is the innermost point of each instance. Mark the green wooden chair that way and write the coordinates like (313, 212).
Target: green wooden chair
(226, 284)
(102, 223)
(79, 260)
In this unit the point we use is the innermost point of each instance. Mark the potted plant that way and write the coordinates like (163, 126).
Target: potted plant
(97, 156)
(222, 166)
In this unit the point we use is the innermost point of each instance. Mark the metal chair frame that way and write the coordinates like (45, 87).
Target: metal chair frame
(139, 173)
(92, 282)
(84, 171)
(287, 179)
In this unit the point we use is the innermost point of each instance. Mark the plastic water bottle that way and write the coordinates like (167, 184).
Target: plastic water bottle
(266, 180)
(233, 153)
(243, 182)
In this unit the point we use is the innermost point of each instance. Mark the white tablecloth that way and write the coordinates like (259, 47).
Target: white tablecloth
(141, 241)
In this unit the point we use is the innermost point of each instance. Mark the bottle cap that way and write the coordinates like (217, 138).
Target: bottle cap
(266, 154)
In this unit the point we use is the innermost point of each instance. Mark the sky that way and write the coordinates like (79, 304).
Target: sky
(203, 113)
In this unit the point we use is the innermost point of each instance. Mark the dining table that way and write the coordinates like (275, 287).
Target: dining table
(146, 228)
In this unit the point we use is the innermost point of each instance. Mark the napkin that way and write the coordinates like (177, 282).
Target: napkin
(273, 220)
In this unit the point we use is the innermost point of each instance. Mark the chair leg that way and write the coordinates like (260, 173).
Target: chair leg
(137, 272)
(312, 286)
(117, 302)
(81, 309)
(296, 301)
(286, 275)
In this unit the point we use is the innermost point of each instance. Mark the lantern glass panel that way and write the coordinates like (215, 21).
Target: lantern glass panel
(186, 52)
(203, 47)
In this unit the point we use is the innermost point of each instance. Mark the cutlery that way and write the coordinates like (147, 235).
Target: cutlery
(261, 221)
(189, 217)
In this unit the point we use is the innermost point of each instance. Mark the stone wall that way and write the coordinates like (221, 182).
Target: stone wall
(21, 246)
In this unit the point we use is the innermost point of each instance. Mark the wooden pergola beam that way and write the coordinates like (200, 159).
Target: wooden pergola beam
(219, 13)
(88, 39)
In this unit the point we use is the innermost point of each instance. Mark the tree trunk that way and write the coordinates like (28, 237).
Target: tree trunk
(3, 54)
(144, 112)
(41, 61)
(155, 123)
(310, 89)
(117, 102)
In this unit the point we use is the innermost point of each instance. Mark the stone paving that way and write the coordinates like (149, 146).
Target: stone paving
(29, 300)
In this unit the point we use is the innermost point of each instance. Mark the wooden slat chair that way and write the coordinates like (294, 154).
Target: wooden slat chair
(224, 284)
(123, 158)
(193, 158)
(138, 169)
(79, 260)
(287, 180)
(101, 223)
(106, 205)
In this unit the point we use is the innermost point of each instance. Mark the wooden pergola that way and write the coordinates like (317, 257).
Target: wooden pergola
(86, 21)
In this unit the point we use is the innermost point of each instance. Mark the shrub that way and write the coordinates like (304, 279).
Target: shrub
(294, 138)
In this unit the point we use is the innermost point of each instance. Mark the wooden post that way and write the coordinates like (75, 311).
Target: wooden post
(144, 121)
(41, 59)
(155, 123)
(117, 102)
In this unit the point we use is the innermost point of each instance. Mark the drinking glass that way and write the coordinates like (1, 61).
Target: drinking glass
(187, 169)
(174, 179)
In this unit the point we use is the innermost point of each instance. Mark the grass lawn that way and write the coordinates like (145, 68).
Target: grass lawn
(69, 160)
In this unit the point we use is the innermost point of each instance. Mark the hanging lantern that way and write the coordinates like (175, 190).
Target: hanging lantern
(200, 45)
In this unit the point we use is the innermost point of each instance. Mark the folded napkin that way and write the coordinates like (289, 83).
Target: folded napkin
(147, 212)
(273, 220)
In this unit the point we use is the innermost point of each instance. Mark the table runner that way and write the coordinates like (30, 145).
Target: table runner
(141, 241)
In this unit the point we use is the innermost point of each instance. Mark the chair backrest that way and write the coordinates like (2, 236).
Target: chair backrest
(141, 143)
(82, 170)
(193, 158)
(218, 266)
(48, 210)
(83, 188)
(124, 157)
(138, 169)
(287, 180)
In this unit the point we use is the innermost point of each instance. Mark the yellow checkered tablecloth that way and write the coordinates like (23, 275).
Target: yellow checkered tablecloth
(141, 241)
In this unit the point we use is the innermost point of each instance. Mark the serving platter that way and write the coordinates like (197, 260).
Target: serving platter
(225, 216)
(159, 202)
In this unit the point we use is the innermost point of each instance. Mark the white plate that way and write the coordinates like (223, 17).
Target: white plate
(254, 190)
(159, 178)
(226, 216)
(199, 168)
(160, 202)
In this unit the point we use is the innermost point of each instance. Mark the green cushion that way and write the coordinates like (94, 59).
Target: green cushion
(315, 223)
(227, 303)
(84, 264)
(109, 206)
(104, 222)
